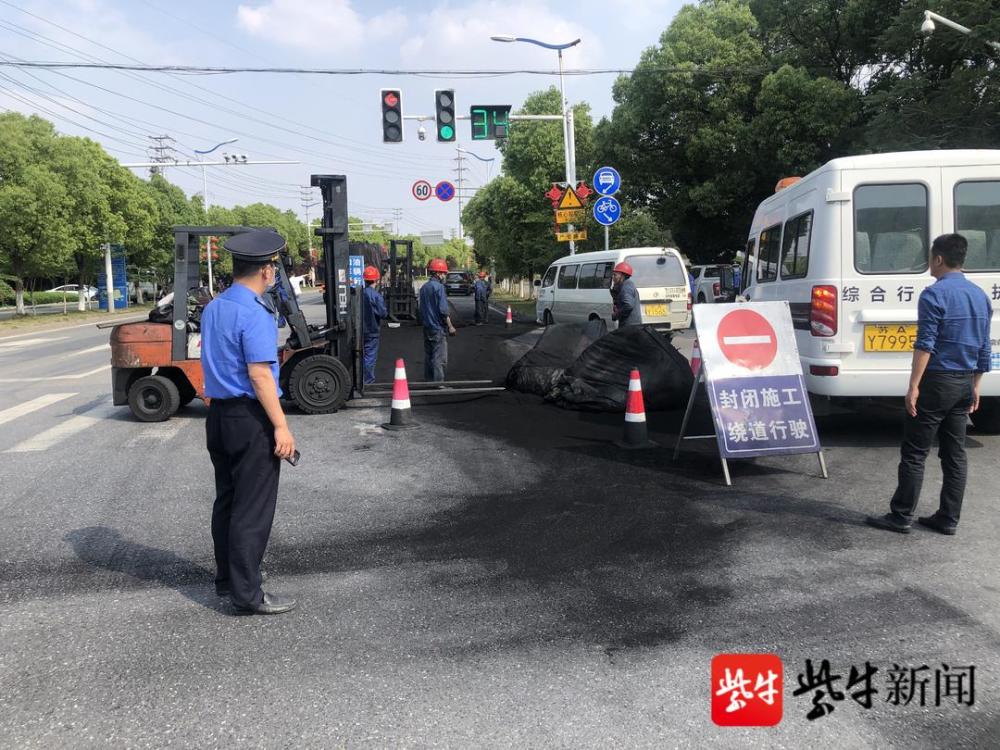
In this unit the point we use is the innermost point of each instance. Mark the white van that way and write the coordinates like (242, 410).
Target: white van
(848, 247)
(576, 288)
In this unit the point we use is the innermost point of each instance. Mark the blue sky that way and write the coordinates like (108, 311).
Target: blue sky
(329, 124)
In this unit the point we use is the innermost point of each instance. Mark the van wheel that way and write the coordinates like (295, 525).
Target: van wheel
(153, 398)
(987, 417)
(547, 318)
(701, 297)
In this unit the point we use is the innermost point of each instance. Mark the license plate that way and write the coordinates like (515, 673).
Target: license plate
(890, 338)
(656, 310)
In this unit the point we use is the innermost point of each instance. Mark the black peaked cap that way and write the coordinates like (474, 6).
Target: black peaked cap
(258, 246)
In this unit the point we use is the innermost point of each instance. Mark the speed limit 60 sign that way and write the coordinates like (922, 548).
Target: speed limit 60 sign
(422, 190)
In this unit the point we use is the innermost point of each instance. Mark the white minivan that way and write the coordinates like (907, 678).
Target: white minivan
(576, 288)
(848, 247)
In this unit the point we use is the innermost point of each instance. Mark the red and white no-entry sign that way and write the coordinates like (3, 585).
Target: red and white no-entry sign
(747, 339)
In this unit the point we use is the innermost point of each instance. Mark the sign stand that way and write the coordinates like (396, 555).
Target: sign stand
(754, 383)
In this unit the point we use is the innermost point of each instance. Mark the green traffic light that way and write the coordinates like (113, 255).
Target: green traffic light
(447, 132)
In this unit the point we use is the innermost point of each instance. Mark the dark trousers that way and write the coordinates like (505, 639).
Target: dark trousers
(241, 445)
(435, 355)
(482, 310)
(942, 411)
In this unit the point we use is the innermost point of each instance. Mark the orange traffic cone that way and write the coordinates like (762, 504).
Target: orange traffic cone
(510, 317)
(399, 416)
(635, 417)
(695, 359)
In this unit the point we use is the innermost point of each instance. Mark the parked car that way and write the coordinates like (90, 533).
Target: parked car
(458, 282)
(708, 283)
(89, 293)
(148, 290)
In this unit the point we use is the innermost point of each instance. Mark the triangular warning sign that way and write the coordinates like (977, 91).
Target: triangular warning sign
(569, 200)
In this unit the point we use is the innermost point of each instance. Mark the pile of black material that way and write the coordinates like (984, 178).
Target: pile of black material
(598, 379)
(557, 349)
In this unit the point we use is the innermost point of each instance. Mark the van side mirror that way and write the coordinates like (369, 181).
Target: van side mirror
(538, 282)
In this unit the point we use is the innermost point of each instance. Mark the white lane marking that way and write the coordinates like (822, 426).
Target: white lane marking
(100, 348)
(130, 319)
(11, 345)
(737, 340)
(77, 376)
(77, 423)
(34, 405)
(159, 432)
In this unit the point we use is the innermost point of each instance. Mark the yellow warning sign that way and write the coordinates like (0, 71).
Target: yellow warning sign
(569, 200)
(578, 236)
(571, 216)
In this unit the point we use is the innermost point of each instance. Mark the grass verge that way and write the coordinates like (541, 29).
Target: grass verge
(525, 308)
(44, 321)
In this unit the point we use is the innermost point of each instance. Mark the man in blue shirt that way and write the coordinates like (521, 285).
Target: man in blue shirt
(437, 323)
(625, 306)
(481, 290)
(951, 353)
(373, 312)
(246, 430)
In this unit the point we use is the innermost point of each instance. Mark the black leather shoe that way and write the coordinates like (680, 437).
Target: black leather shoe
(937, 524)
(888, 522)
(222, 591)
(271, 604)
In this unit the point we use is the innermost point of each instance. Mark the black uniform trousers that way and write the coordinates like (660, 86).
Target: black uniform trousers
(482, 310)
(241, 445)
(942, 412)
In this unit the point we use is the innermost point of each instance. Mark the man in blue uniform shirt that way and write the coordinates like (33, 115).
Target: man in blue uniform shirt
(437, 323)
(950, 355)
(373, 312)
(246, 430)
(482, 296)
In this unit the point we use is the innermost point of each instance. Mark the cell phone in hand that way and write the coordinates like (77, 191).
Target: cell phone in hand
(294, 460)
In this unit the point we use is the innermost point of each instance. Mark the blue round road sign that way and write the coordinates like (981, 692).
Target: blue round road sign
(607, 181)
(607, 210)
(444, 191)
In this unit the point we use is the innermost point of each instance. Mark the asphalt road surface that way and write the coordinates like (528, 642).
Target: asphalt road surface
(501, 577)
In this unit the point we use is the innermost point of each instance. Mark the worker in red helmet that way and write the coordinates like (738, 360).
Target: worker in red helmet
(373, 312)
(435, 316)
(625, 308)
(482, 290)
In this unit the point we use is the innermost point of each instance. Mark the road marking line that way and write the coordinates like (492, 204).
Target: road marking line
(160, 432)
(77, 376)
(11, 345)
(34, 405)
(99, 348)
(45, 440)
(737, 340)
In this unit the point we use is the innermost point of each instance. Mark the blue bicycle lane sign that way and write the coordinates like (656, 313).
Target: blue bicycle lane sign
(607, 210)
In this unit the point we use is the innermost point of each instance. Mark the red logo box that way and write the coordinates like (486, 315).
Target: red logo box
(747, 690)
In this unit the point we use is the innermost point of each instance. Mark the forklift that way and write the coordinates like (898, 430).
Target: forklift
(156, 366)
(401, 301)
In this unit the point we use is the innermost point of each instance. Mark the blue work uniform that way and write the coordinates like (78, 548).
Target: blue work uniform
(737, 277)
(482, 295)
(691, 284)
(627, 304)
(373, 312)
(238, 329)
(433, 312)
(953, 326)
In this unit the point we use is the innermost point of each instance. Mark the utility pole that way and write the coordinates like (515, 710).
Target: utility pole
(460, 170)
(160, 151)
(307, 203)
(397, 216)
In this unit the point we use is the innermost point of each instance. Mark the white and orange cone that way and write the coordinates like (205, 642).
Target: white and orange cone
(510, 318)
(399, 416)
(695, 359)
(635, 417)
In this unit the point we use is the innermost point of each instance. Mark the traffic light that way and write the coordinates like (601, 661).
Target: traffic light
(392, 116)
(444, 110)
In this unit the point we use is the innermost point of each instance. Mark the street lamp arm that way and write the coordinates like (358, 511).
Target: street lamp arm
(217, 145)
(546, 44)
(930, 17)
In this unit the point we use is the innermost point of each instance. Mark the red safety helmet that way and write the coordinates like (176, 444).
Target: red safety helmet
(482, 274)
(624, 268)
(371, 274)
(437, 266)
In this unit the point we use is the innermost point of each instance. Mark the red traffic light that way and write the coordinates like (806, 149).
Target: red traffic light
(390, 99)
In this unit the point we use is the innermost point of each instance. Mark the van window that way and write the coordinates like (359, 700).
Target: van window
(770, 249)
(657, 270)
(748, 261)
(977, 218)
(595, 276)
(550, 276)
(890, 228)
(795, 246)
(712, 272)
(567, 277)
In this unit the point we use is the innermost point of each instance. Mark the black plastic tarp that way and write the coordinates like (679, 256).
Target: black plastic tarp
(557, 349)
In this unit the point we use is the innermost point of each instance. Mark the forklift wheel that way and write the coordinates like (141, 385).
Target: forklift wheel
(319, 384)
(153, 398)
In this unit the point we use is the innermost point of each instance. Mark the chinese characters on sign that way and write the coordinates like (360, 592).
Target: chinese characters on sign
(356, 269)
(764, 415)
(747, 690)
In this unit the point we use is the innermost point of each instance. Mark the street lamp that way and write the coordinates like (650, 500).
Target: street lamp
(928, 27)
(569, 146)
(204, 195)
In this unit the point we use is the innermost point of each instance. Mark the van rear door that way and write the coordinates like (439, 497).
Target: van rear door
(662, 283)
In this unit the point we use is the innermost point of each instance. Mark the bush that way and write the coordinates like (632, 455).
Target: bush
(40, 298)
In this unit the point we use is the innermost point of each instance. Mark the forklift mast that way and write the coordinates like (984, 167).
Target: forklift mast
(400, 297)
